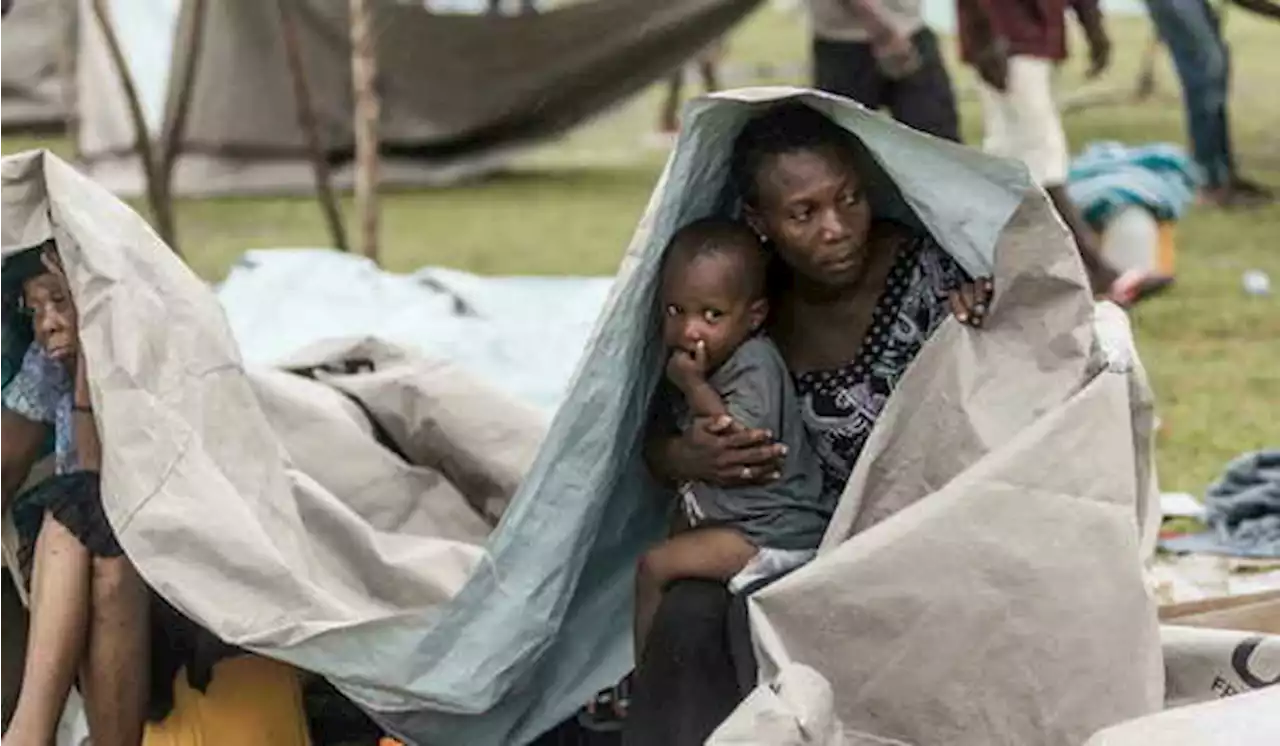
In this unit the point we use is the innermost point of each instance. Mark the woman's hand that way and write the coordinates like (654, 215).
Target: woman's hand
(721, 452)
(971, 301)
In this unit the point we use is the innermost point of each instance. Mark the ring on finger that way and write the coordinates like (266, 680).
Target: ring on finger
(746, 472)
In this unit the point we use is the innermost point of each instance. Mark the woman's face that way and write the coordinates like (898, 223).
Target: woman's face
(812, 207)
(53, 316)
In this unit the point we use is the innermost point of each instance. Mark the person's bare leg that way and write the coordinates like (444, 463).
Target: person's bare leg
(1101, 274)
(709, 554)
(56, 638)
(117, 669)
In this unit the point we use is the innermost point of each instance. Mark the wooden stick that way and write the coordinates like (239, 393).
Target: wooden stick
(175, 124)
(142, 142)
(309, 126)
(364, 74)
(68, 38)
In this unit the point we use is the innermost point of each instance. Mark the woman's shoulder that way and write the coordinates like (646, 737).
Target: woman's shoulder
(901, 235)
(924, 250)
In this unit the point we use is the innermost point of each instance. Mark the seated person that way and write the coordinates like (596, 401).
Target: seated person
(856, 297)
(89, 608)
(722, 364)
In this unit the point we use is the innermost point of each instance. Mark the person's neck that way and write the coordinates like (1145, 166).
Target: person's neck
(806, 293)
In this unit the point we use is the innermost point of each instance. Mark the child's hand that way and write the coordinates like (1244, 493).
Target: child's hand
(687, 370)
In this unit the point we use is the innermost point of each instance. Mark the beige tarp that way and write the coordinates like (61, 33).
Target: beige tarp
(34, 38)
(261, 504)
(1222, 665)
(458, 92)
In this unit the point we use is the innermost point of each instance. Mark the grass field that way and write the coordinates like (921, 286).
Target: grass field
(1212, 351)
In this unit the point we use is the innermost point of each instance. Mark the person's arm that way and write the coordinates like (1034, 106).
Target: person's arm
(88, 447)
(872, 15)
(1089, 15)
(23, 441)
(893, 49)
(990, 50)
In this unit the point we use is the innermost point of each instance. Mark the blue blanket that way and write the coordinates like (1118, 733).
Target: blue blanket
(1108, 177)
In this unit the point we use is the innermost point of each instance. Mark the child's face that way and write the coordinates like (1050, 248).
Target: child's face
(53, 316)
(705, 300)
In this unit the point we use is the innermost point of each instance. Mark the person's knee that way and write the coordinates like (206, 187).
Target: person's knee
(649, 569)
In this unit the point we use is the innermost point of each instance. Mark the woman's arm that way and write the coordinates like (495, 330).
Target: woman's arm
(718, 451)
(88, 448)
(23, 439)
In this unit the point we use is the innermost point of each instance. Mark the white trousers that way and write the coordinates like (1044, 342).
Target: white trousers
(1022, 122)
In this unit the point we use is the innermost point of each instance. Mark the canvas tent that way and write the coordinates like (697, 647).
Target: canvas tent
(459, 93)
(37, 47)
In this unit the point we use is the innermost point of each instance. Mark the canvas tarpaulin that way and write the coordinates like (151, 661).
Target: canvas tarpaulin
(458, 93)
(229, 528)
(1222, 667)
(37, 43)
(982, 579)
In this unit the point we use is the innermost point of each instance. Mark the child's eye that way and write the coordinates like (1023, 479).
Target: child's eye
(801, 216)
(852, 198)
(712, 315)
(672, 309)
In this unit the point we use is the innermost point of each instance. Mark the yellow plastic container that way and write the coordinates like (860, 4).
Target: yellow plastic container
(252, 701)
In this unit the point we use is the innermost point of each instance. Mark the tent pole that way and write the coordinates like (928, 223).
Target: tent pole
(309, 126)
(364, 73)
(176, 118)
(160, 207)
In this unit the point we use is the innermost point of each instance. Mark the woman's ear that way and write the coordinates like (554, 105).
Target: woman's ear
(757, 313)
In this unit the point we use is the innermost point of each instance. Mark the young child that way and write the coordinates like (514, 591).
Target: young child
(714, 306)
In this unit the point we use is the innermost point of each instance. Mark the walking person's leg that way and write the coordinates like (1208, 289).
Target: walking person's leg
(1191, 31)
(1188, 30)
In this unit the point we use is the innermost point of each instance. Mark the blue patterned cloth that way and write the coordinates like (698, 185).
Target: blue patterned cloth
(42, 391)
(1108, 177)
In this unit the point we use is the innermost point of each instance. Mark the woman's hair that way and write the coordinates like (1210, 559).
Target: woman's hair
(789, 127)
(21, 267)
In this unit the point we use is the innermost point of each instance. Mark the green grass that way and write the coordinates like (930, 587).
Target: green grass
(1213, 352)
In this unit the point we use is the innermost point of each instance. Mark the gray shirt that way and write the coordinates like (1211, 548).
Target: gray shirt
(792, 512)
(835, 20)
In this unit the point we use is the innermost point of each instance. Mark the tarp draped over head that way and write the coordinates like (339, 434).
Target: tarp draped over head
(239, 535)
(458, 92)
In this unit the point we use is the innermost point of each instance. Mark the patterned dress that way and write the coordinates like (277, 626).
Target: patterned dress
(841, 405)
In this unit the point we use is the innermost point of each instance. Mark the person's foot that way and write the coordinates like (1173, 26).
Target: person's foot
(1135, 286)
(1238, 193)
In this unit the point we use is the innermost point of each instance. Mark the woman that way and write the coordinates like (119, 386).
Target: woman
(91, 614)
(856, 298)
(89, 608)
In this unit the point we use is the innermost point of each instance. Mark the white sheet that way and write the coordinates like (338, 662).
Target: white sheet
(524, 335)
